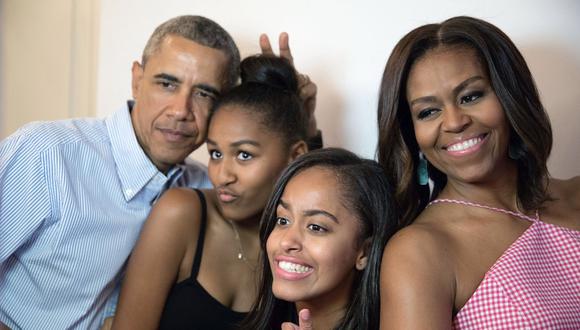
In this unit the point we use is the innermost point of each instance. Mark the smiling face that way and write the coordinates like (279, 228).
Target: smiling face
(173, 94)
(246, 159)
(458, 120)
(314, 249)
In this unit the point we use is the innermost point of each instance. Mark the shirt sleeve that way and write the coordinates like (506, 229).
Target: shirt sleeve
(193, 175)
(24, 198)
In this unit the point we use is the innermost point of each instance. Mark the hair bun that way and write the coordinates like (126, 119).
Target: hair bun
(269, 70)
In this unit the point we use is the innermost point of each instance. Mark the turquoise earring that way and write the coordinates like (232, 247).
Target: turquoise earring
(422, 172)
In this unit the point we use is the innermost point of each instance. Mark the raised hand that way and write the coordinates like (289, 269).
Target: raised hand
(283, 44)
(307, 89)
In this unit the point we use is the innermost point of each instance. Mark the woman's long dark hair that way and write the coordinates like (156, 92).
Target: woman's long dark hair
(365, 190)
(530, 131)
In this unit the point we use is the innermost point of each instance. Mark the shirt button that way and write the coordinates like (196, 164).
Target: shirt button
(129, 191)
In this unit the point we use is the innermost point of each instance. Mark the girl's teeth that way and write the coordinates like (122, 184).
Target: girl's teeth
(293, 268)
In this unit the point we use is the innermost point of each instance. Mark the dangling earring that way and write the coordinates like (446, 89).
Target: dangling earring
(422, 172)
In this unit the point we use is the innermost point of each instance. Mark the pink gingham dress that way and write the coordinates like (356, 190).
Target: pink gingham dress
(535, 284)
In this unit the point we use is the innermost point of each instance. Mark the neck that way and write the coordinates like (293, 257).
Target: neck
(249, 233)
(499, 191)
(249, 226)
(248, 236)
(328, 310)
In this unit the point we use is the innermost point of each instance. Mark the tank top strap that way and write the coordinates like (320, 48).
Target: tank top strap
(200, 238)
(487, 207)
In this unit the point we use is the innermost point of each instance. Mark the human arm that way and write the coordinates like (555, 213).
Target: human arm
(417, 282)
(307, 89)
(169, 232)
(25, 202)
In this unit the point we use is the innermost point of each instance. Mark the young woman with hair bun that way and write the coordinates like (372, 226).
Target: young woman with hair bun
(195, 264)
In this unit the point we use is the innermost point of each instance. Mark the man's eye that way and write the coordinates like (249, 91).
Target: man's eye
(204, 94)
(168, 85)
(242, 155)
(316, 228)
(282, 221)
(215, 154)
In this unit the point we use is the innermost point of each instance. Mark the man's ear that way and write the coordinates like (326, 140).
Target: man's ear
(363, 255)
(136, 78)
(298, 149)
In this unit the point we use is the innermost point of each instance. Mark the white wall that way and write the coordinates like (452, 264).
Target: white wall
(343, 46)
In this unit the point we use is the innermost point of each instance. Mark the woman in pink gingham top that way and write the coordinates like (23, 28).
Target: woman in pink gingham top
(490, 240)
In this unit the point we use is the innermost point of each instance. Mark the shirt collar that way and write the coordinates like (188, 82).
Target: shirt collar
(134, 168)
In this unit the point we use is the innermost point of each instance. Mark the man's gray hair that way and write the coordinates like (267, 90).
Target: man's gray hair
(202, 31)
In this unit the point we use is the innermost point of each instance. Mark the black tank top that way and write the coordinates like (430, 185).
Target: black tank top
(188, 305)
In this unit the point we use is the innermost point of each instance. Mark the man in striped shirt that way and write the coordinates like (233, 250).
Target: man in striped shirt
(74, 193)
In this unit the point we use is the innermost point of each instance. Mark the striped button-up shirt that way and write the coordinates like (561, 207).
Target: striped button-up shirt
(73, 197)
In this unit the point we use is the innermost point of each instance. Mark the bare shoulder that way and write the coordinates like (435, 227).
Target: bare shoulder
(176, 201)
(417, 278)
(568, 190)
(177, 211)
(163, 245)
(563, 208)
(422, 245)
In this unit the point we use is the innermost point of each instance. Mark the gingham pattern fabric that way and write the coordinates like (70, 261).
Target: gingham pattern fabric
(535, 284)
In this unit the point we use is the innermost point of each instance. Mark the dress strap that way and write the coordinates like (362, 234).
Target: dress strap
(491, 208)
(200, 238)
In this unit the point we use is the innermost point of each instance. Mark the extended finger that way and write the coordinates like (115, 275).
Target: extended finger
(304, 320)
(284, 45)
(289, 326)
(265, 45)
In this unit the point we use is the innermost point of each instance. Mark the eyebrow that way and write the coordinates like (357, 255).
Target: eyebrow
(204, 87)
(168, 77)
(237, 143)
(310, 213)
(424, 99)
(464, 84)
(456, 90)
(284, 204)
(209, 89)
